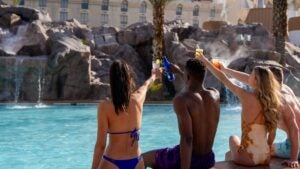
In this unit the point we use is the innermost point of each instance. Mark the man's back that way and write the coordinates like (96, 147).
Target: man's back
(289, 121)
(204, 110)
(289, 99)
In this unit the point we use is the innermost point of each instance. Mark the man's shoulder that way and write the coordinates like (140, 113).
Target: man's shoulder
(180, 96)
(214, 93)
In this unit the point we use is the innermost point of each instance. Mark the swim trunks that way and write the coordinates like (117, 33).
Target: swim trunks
(283, 149)
(169, 158)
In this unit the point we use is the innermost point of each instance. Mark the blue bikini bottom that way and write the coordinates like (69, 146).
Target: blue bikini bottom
(124, 164)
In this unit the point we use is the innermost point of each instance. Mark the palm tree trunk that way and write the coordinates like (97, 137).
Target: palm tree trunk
(280, 27)
(158, 24)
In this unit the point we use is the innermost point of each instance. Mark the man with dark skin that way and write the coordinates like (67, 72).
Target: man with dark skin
(197, 109)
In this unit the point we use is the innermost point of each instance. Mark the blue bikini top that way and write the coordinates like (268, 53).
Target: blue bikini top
(134, 134)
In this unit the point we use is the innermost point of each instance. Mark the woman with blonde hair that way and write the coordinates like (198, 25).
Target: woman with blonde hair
(121, 119)
(260, 113)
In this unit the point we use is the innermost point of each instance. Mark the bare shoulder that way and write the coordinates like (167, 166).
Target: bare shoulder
(104, 105)
(214, 93)
(180, 99)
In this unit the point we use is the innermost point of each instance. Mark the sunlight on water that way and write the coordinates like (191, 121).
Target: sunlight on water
(46, 137)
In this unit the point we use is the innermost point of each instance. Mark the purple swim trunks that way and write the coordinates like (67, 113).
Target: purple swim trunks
(169, 158)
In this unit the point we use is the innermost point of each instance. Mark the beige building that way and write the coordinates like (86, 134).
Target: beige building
(122, 13)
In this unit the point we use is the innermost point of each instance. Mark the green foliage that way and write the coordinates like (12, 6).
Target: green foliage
(155, 87)
(16, 2)
(84, 42)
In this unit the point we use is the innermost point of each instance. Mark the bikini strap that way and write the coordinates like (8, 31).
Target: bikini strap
(256, 117)
(134, 134)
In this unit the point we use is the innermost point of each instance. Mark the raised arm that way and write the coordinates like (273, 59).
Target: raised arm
(185, 130)
(240, 76)
(101, 135)
(293, 135)
(176, 69)
(140, 93)
(222, 77)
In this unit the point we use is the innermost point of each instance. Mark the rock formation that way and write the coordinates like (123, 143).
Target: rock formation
(45, 60)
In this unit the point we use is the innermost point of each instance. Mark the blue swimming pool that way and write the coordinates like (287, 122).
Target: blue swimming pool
(63, 137)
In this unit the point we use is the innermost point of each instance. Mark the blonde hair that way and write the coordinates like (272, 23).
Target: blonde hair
(268, 94)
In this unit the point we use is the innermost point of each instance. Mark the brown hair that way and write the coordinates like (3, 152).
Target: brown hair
(268, 94)
(121, 85)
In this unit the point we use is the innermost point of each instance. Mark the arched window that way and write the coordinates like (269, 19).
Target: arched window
(179, 10)
(196, 11)
(64, 3)
(105, 5)
(124, 6)
(42, 3)
(143, 7)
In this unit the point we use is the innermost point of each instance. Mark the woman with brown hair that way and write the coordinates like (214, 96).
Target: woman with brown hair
(260, 113)
(121, 118)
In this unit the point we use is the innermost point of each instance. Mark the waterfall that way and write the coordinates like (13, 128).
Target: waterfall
(230, 98)
(18, 78)
(11, 43)
(41, 81)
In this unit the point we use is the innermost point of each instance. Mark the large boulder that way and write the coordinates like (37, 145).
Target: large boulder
(129, 55)
(136, 34)
(9, 19)
(29, 39)
(68, 72)
(26, 14)
(73, 27)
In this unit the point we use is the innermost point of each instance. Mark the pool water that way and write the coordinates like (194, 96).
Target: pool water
(63, 137)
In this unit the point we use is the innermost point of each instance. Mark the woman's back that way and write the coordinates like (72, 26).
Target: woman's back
(254, 139)
(123, 130)
(120, 119)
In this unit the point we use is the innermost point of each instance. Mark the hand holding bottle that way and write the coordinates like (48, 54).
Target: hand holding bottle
(199, 51)
(216, 63)
(167, 68)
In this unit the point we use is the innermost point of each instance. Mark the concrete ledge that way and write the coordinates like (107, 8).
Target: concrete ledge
(275, 164)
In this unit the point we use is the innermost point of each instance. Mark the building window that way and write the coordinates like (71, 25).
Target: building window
(64, 3)
(143, 19)
(179, 10)
(63, 16)
(22, 2)
(196, 11)
(43, 3)
(212, 13)
(85, 4)
(105, 5)
(104, 19)
(196, 23)
(124, 6)
(123, 20)
(84, 17)
(143, 7)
